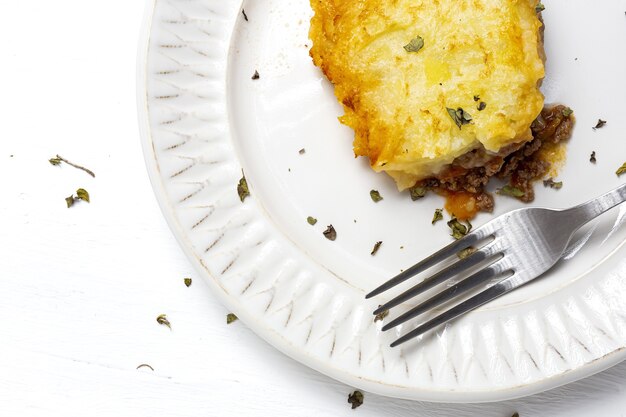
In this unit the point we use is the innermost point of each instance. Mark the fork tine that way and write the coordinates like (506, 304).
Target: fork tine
(467, 284)
(432, 260)
(466, 306)
(441, 276)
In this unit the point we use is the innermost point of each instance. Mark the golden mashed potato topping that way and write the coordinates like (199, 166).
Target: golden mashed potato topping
(413, 74)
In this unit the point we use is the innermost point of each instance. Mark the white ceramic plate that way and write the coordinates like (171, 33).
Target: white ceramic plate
(204, 120)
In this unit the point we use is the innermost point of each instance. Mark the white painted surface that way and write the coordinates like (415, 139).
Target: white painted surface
(82, 287)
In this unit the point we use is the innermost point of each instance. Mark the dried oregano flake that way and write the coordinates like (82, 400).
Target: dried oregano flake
(376, 247)
(242, 188)
(356, 399)
(437, 216)
(330, 233)
(162, 320)
(415, 44)
(375, 196)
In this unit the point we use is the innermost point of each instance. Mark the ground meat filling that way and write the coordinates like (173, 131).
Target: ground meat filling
(520, 165)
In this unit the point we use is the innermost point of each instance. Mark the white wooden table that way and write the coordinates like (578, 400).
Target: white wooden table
(81, 288)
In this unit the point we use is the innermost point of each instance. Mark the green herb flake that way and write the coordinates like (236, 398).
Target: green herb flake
(302, 151)
(55, 161)
(145, 365)
(187, 282)
(601, 123)
(69, 201)
(311, 220)
(458, 229)
(460, 116)
(567, 112)
(592, 158)
(417, 192)
(511, 191)
(466, 252)
(415, 44)
(82, 194)
(330, 233)
(621, 170)
(381, 316)
(375, 196)
(437, 216)
(482, 106)
(356, 399)
(162, 320)
(242, 189)
(230, 318)
(552, 184)
(540, 7)
(376, 247)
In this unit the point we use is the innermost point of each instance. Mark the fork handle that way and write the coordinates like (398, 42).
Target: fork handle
(588, 211)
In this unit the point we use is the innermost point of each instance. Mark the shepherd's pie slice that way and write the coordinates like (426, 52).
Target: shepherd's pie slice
(425, 82)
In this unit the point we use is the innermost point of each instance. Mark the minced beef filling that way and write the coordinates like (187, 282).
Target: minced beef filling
(521, 165)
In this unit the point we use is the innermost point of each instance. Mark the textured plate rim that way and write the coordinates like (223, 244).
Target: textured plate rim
(374, 386)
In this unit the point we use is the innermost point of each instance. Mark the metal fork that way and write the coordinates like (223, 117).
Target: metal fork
(514, 249)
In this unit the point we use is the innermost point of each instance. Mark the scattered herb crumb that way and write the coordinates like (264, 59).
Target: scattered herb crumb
(230, 317)
(256, 75)
(245, 16)
(476, 98)
(376, 247)
(415, 44)
(540, 7)
(482, 106)
(460, 116)
(621, 170)
(356, 399)
(552, 184)
(330, 233)
(302, 151)
(81, 194)
(242, 189)
(459, 229)
(58, 159)
(466, 252)
(311, 220)
(187, 282)
(381, 316)
(515, 415)
(417, 192)
(601, 123)
(437, 216)
(145, 365)
(162, 320)
(375, 195)
(567, 112)
(511, 191)
(592, 158)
